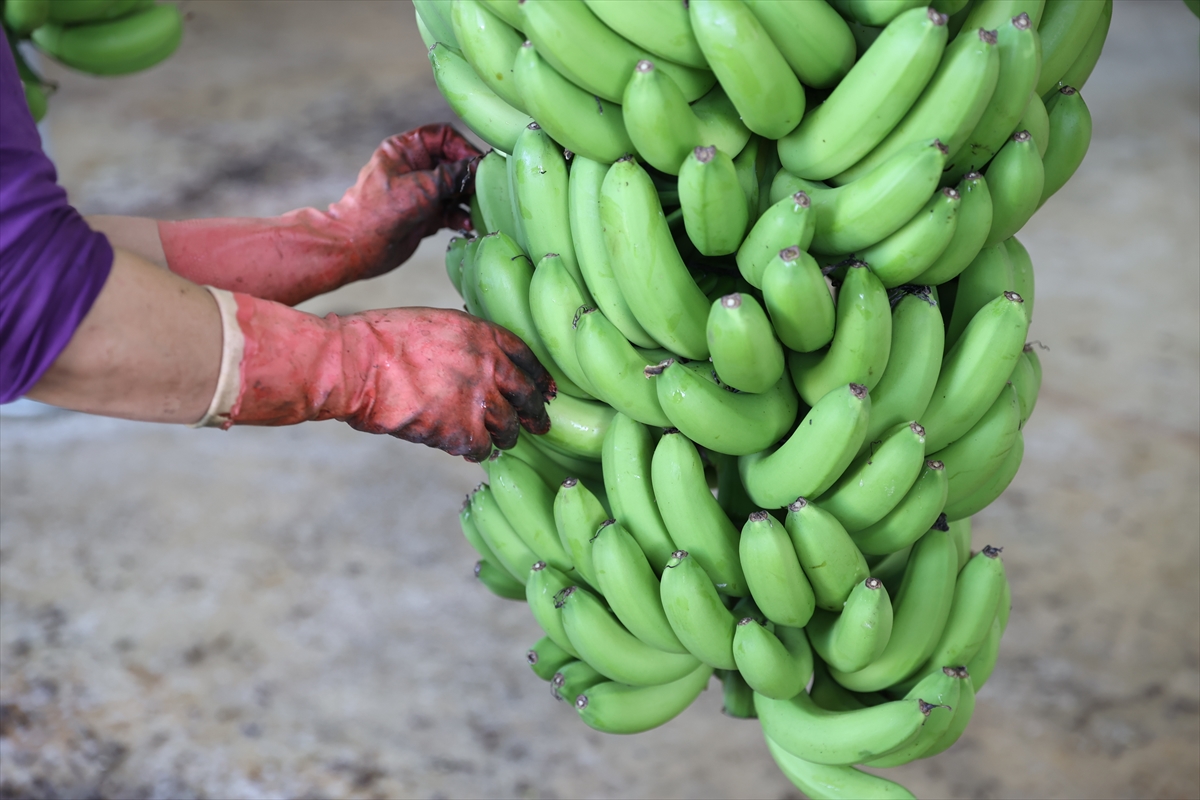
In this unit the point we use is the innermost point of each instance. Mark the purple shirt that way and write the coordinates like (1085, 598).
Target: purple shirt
(52, 265)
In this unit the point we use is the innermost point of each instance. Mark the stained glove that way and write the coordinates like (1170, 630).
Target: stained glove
(414, 185)
(435, 376)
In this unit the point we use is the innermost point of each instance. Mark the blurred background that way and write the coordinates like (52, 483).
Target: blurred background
(292, 612)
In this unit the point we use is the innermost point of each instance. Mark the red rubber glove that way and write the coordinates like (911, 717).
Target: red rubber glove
(435, 376)
(414, 185)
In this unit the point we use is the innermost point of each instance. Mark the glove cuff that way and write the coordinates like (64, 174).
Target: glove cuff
(229, 381)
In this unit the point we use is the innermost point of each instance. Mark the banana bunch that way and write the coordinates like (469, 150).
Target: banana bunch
(100, 37)
(789, 339)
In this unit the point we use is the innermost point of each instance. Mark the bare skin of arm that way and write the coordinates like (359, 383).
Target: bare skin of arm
(138, 235)
(149, 349)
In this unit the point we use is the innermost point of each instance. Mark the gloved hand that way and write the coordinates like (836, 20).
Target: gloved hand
(434, 376)
(414, 185)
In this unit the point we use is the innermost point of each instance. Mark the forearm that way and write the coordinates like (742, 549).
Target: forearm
(149, 348)
(138, 235)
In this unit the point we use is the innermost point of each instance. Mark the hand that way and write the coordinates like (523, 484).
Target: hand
(415, 184)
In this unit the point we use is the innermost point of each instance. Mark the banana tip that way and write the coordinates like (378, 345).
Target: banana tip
(478, 568)
(1021, 21)
(940, 524)
(987, 37)
(992, 552)
(789, 253)
(705, 154)
(935, 16)
(798, 504)
(1013, 297)
(802, 199)
(732, 300)
(645, 65)
(873, 583)
(569, 482)
(759, 516)
(532, 657)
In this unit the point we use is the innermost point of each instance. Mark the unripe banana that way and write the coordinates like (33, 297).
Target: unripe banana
(995, 485)
(862, 340)
(975, 370)
(773, 573)
(574, 118)
(615, 368)
(22, 17)
(454, 259)
(495, 202)
(436, 16)
(507, 10)
(1015, 179)
(427, 36)
(962, 715)
(919, 612)
(750, 165)
(986, 278)
(750, 68)
(812, 37)
(991, 14)
(511, 551)
(852, 639)
(913, 249)
(1065, 29)
(835, 782)
(546, 658)
(709, 193)
(830, 560)
(115, 47)
(490, 45)
(960, 534)
(540, 173)
(1070, 135)
(798, 300)
(471, 532)
(831, 695)
(577, 426)
(1022, 267)
(984, 662)
(1026, 379)
(617, 708)
(789, 222)
(949, 107)
(737, 696)
(628, 453)
(542, 588)
(631, 587)
(498, 581)
(918, 337)
(573, 679)
(577, 517)
(568, 465)
(652, 276)
(692, 514)
(970, 232)
(765, 663)
(868, 103)
(877, 481)
(1037, 121)
(916, 513)
(492, 119)
(815, 455)
(745, 352)
(941, 689)
(977, 455)
(697, 615)
(878, 13)
(660, 26)
(1081, 69)
(734, 423)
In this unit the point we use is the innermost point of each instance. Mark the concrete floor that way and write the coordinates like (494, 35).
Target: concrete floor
(291, 613)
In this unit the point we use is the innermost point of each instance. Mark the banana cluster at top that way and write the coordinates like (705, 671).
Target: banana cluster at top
(100, 37)
(767, 249)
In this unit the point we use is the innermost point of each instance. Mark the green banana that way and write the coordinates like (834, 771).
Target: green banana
(830, 560)
(1065, 28)
(492, 119)
(613, 651)
(973, 458)
(540, 173)
(1005, 606)
(1027, 382)
(577, 427)
(490, 45)
(573, 679)
(916, 513)
(773, 573)
(528, 505)
(798, 299)
(114, 47)
(734, 423)
(877, 481)
(1016, 177)
(975, 370)
(555, 298)
(1036, 120)
(577, 120)
(693, 516)
(919, 613)
(22, 17)
(830, 695)
(617, 708)
(507, 10)
(471, 533)
(709, 192)
(577, 517)
(835, 782)
(941, 689)
(660, 26)
(750, 165)
(749, 66)
(469, 278)
(812, 37)
(586, 52)
(1022, 267)
(1019, 52)
(542, 589)
(949, 107)
(696, 613)
(868, 103)
(765, 663)
(495, 202)
(546, 658)
(615, 368)
(789, 222)
(960, 534)
(852, 639)
(498, 581)
(436, 16)
(1081, 69)
(962, 715)
(731, 494)
(511, 551)
(970, 232)
(427, 36)
(986, 278)
(815, 455)
(745, 352)
(878, 13)
(984, 662)
(631, 587)
(652, 276)
(1070, 135)
(993, 487)
(628, 452)
(738, 697)
(951, 7)
(454, 259)
(992, 14)
(918, 338)
(567, 465)
(914, 248)
(862, 340)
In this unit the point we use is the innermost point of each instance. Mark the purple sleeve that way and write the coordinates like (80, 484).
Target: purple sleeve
(52, 265)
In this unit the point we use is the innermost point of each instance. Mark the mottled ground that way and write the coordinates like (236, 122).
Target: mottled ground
(291, 613)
